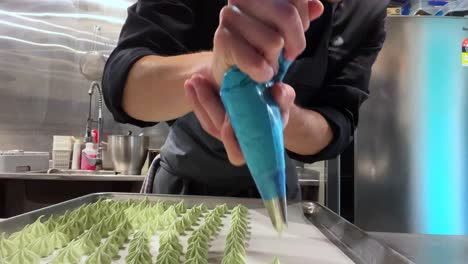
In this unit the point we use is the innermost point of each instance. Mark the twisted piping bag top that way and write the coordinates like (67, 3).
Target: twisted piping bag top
(256, 119)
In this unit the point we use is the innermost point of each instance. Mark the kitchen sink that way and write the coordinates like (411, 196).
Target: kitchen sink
(80, 172)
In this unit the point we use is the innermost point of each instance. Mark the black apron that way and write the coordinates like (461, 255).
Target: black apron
(192, 162)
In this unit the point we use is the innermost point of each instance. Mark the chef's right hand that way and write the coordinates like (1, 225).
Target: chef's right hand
(252, 33)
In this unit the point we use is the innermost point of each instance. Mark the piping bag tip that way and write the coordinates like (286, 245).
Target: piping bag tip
(277, 210)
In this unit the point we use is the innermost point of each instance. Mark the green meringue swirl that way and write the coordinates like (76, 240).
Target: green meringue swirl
(196, 261)
(42, 246)
(186, 222)
(233, 258)
(180, 208)
(110, 248)
(138, 250)
(52, 222)
(57, 239)
(198, 242)
(23, 256)
(71, 229)
(202, 207)
(7, 246)
(71, 254)
(99, 257)
(168, 257)
(38, 228)
(87, 220)
(102, 228)
(168, 217)
(138, 257)
(120, 234)
(170, 249)
(22, 238)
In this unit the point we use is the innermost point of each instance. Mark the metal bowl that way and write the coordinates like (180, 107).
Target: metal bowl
(128, 153)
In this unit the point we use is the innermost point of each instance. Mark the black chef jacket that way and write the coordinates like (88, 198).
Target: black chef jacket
(331, 77)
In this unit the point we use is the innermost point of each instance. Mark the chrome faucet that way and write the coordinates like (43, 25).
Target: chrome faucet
(95, 86)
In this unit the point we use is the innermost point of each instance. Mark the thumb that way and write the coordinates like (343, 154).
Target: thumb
(315, 9)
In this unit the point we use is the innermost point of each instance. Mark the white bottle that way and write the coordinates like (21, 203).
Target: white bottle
(76, 158)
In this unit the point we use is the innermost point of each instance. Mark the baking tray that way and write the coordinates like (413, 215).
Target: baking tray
(350, 240)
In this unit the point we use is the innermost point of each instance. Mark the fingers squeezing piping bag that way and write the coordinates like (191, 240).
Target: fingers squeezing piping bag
(257, 122)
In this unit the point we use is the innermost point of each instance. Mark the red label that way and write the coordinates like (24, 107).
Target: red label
(465, 45)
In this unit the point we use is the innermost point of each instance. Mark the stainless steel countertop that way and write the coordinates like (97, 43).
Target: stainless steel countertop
(69, 177)
(307, 177)
(428, 249)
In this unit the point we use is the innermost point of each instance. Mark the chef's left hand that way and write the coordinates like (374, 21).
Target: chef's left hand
(208, 107)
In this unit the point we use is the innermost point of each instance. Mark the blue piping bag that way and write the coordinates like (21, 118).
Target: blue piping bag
(256, 119)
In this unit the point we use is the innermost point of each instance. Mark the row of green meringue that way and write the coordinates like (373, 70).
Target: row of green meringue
(110, 248)
(90, 241)
(138, 250)
(170, 249)
(40, 239)
(144, 212)
(22, 256)
(78, 233)
(234, 252)
(198, 242)
(29, 233)
(73, 223)
(33, 241)
(189, 219)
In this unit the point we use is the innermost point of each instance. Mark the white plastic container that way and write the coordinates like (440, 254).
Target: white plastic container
(76, 157)
(64, 143)
(61, 152)
(61, 159)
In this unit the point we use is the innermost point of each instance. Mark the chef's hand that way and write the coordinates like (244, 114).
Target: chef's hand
(208, 107)
(252, 33)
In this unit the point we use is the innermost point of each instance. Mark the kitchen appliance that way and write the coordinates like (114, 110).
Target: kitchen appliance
(107, 163)
(23, 161)
(411, 154)
(128, 153)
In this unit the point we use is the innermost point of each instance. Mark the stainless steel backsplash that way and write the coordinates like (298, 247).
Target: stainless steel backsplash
(42, 92)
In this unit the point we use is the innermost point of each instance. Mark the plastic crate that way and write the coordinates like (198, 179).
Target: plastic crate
(61, 159)
(63, 143)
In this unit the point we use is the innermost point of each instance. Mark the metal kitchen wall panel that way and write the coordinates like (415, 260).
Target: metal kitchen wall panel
(42, 91)
(412, 141)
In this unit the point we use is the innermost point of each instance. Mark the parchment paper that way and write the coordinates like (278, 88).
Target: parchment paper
(300, 243)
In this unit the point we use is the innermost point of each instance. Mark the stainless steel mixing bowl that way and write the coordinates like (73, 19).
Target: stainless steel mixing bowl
(128, 153)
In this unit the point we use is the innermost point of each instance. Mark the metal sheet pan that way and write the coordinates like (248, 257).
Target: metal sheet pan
(353, 242)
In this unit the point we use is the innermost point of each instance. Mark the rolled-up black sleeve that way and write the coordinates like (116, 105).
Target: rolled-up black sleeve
(162, 27)
(346, 88)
